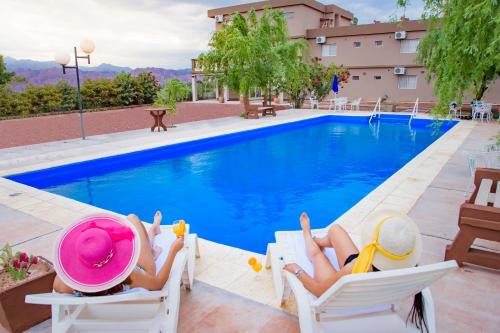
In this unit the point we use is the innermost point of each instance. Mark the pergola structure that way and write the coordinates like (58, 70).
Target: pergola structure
(197, 72)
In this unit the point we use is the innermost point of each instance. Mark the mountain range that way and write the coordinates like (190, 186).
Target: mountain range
(49, 72)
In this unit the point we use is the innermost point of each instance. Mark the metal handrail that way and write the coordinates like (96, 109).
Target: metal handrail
(376, 110)
(414, 112)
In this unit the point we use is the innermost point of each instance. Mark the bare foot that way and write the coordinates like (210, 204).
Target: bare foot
(155, 228)
(156, 251)
(305, 224)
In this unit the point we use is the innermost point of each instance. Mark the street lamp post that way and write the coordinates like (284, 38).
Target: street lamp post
(87, 47)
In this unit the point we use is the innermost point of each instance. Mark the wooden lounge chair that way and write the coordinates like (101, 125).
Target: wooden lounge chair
(479, 218)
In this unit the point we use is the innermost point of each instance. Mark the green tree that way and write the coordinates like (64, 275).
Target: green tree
(5, 76)
(99, 93)
(147, 88)
(126, 88)
(249, 52)
(461, 50)
(69, 99)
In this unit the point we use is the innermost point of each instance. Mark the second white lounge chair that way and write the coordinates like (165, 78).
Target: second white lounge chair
(356, 302)
(136, 310)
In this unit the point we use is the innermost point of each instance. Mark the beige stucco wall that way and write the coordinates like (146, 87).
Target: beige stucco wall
(304, 18)
(369, 89)
(368, 54)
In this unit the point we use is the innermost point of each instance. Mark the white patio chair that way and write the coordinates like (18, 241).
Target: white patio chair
(355, 104)
(356, 302)
(136, 310)
(314, 103)
(480, 110)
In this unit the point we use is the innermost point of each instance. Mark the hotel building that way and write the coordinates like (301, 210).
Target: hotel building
(379, 56)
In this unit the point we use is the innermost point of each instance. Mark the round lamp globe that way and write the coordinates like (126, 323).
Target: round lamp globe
(87, 46)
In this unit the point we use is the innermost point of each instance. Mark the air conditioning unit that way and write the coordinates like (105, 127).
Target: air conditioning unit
(400, 35)
(219, 18)
(320, 40)
(399, 70)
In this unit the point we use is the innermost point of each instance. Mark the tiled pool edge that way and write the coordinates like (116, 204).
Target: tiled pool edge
(225, 267)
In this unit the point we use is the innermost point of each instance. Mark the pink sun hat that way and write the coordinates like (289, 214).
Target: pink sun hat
(96, 253)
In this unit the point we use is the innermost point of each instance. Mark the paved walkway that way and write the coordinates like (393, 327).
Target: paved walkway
(466, 300)
(27, 131)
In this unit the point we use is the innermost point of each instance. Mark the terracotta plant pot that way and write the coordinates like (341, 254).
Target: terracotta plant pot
(221, 99)
(388, 107)
(15, 314)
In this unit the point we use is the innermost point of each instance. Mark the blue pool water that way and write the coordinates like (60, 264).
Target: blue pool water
(239, 189)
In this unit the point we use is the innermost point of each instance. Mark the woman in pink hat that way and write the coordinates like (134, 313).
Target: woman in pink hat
(103, 254)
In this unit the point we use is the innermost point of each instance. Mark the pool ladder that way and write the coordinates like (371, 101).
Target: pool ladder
(414, 112)
(376, 111)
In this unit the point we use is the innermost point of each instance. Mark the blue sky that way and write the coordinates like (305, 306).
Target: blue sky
(135, 33)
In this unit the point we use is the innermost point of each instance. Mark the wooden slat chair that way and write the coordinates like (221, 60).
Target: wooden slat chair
(479, 218)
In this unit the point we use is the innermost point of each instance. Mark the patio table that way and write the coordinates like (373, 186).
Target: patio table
(157, 114)
(267, 111)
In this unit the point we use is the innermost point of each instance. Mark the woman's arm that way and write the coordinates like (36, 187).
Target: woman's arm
(61, 287)
(317, 288)
(157, 282)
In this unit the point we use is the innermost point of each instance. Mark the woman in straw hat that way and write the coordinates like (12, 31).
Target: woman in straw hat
(390, 240)
(104, 254)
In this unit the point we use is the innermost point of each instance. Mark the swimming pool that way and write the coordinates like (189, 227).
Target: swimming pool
(238, 189)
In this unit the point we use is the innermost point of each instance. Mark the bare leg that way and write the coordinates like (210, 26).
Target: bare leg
(323, 269)
(342, 243)
(153, 231)
(155, 228)
(146, 259)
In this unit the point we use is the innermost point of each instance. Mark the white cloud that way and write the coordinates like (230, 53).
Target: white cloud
(152, 33)
(135, 33)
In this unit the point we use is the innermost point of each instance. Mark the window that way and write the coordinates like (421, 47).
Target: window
(409, 45)
(377, 77)
(357, 44)
(329, 50)
(379, 43)
(407, 82)
(355, 77)
(289, 15)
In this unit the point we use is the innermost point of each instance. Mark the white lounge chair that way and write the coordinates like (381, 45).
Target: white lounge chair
(356, 302)
(136, 310)
(355, 104)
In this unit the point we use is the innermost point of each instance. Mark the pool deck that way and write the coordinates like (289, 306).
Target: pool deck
(429, 188)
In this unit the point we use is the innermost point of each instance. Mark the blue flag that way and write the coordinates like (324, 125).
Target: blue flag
(335, 86)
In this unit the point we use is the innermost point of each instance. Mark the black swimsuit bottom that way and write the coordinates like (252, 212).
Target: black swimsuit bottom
(354, 256)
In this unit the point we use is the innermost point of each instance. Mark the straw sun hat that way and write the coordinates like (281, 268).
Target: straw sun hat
(397, 238)
(96, 253)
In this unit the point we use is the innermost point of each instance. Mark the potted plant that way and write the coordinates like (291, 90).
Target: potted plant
(172, 92)
(22, 275)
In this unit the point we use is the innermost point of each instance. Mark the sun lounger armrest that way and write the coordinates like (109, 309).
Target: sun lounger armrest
(302, 298)
(68, 299)
(485, 173)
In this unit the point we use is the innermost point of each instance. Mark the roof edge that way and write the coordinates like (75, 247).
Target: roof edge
(278, 4)
(369, 29)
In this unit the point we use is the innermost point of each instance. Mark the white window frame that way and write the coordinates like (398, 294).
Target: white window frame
(406, 84)
(289, 15)
(354, 44)
(409, 45)
(328, 47)
(381, 43)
